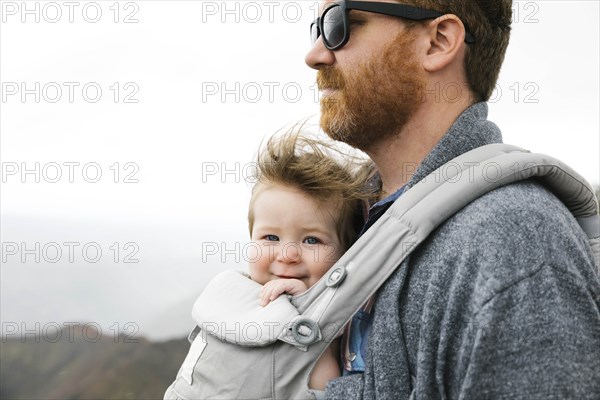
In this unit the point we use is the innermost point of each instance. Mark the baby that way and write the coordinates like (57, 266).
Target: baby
(305, 212)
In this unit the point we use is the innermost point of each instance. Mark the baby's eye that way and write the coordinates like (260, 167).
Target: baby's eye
(271, 238)
(312, 240)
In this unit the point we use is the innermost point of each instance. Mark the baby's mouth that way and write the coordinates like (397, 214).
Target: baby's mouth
(288, 277)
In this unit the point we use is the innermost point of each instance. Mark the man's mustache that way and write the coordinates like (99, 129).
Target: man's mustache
(330, 78)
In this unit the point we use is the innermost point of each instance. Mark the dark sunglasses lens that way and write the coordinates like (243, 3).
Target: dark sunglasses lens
(333, 26)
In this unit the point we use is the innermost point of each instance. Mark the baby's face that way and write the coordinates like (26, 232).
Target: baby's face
(294, 236)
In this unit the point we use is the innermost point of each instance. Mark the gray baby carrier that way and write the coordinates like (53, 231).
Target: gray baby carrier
(240, 350)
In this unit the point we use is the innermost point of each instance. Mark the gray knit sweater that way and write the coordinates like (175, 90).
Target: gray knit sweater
(500, 302)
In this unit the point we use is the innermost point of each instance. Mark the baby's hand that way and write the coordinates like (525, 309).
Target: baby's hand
(273, 289)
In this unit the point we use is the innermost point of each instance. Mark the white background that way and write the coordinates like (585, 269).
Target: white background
(177, 58)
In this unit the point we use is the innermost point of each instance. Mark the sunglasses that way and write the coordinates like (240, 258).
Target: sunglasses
(334, 24)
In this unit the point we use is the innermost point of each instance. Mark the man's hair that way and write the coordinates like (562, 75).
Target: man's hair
(320, 170)
(489, 22)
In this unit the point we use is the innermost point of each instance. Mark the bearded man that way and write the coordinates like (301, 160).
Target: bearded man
(503, 299)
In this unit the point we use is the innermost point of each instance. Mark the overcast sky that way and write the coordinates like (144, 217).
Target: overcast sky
(142, 118)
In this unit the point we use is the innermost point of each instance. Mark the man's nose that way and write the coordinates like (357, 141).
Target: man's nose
(319, 56)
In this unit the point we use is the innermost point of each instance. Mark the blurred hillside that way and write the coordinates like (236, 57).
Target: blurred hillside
(77, 366)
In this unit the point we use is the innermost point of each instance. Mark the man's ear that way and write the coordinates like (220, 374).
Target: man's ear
(446, 42)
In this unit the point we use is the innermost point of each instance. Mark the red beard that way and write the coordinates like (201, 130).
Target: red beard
(373, 102)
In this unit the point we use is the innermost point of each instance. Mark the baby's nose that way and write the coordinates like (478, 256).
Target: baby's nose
(290, 252)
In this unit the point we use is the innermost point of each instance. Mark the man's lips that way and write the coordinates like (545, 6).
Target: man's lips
(329, 81)
(327, 92)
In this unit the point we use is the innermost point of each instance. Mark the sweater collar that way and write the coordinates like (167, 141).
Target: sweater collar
(470, 130)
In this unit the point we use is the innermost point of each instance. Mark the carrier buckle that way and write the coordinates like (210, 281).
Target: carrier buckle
(304, 330)
(336, 276)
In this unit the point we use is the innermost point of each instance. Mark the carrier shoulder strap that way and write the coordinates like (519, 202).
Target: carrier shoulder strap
(327, 306)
